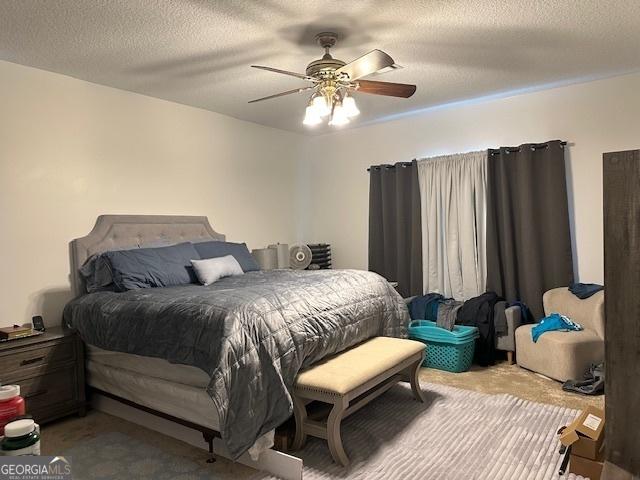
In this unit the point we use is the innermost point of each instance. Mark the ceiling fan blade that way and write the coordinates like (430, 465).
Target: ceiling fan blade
(367, 64)
(403, 90)
(284, 72)
(289, 92)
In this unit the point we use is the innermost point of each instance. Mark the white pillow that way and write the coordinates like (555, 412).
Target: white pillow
(213, 269)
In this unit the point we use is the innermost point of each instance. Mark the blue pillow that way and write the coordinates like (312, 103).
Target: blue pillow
(152, 267)
(96, 273)
(239, 251)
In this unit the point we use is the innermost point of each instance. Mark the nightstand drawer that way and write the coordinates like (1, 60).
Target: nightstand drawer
(50, 371)
(37, 356)
(52, 388)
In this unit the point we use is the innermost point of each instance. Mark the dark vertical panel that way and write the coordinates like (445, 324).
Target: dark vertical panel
(528, 231)
(395, 235)
(621, 177)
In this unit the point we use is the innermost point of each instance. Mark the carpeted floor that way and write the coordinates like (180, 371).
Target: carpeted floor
(505, 378)
(114, 455)
(455, 435)
(72, 432)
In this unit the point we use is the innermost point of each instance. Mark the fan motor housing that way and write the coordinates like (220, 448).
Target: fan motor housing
(329, 64)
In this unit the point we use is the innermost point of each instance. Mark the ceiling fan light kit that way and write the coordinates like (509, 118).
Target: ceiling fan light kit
(339, 116)
(334, 80)
(350, 107)
(311, 115)
(320, 105)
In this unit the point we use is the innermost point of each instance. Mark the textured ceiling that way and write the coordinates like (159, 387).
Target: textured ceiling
(198, 52)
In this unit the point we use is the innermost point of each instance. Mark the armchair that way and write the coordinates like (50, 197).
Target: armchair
(565, 355)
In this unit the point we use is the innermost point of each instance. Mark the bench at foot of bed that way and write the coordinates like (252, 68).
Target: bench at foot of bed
(350, 380)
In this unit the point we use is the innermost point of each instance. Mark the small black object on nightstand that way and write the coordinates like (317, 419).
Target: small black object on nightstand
(38, 323)
(50, 371)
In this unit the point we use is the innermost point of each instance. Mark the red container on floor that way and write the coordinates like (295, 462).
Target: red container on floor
(11, 404)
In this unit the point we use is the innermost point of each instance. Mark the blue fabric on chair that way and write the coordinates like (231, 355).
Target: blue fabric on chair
(240, 252)
(554, 322)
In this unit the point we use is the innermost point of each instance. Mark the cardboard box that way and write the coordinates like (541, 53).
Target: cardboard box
(585, 434)
(586, 467)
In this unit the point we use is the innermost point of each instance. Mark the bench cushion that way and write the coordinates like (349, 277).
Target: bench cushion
(348, 370)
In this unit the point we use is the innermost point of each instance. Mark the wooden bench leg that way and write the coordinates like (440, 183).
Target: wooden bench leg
(415, 381)
(333, 434)
(300, 415)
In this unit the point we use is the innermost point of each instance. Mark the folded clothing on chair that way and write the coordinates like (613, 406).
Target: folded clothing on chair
(554, 322)
(584, 290)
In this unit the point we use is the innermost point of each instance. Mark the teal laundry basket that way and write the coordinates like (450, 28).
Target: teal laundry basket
(445, 350)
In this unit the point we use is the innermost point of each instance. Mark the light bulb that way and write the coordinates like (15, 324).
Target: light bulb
(350, 107)
(311, 116)
(339, 116)
(320, 104)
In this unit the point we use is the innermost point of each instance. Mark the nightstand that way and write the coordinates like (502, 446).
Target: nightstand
(50, 371)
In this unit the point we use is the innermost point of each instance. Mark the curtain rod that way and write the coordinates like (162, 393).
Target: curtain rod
(534, 146)
(492, 151)
(388, 166)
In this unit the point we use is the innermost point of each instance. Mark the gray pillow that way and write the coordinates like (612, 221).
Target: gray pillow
(211, 270)
(240, 252)
(152, 267)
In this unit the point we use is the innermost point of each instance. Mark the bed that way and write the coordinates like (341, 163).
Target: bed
(219, 358)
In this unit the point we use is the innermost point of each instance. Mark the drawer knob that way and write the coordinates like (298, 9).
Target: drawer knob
(31, 361)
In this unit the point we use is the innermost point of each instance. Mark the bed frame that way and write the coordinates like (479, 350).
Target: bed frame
(119, 232)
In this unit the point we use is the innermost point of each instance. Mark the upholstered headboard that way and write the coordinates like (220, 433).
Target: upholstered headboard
(118, 232)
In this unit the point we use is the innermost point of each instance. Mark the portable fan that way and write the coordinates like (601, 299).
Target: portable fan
(300, 256)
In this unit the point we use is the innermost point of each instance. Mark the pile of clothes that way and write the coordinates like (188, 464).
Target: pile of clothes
(480, 312)
(591, 384)
(476, 312)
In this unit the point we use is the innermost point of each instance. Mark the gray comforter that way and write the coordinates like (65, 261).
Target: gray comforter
(251, 333)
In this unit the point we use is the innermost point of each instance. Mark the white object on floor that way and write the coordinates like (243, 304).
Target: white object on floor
(278, 464)
(264, 443)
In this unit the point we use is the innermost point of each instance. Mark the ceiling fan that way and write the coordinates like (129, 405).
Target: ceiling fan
(333, 82)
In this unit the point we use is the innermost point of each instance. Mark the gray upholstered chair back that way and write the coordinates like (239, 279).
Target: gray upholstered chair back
(588, 312)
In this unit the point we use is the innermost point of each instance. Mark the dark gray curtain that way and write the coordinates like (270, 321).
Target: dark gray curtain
(528, 233)
(395, 234)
